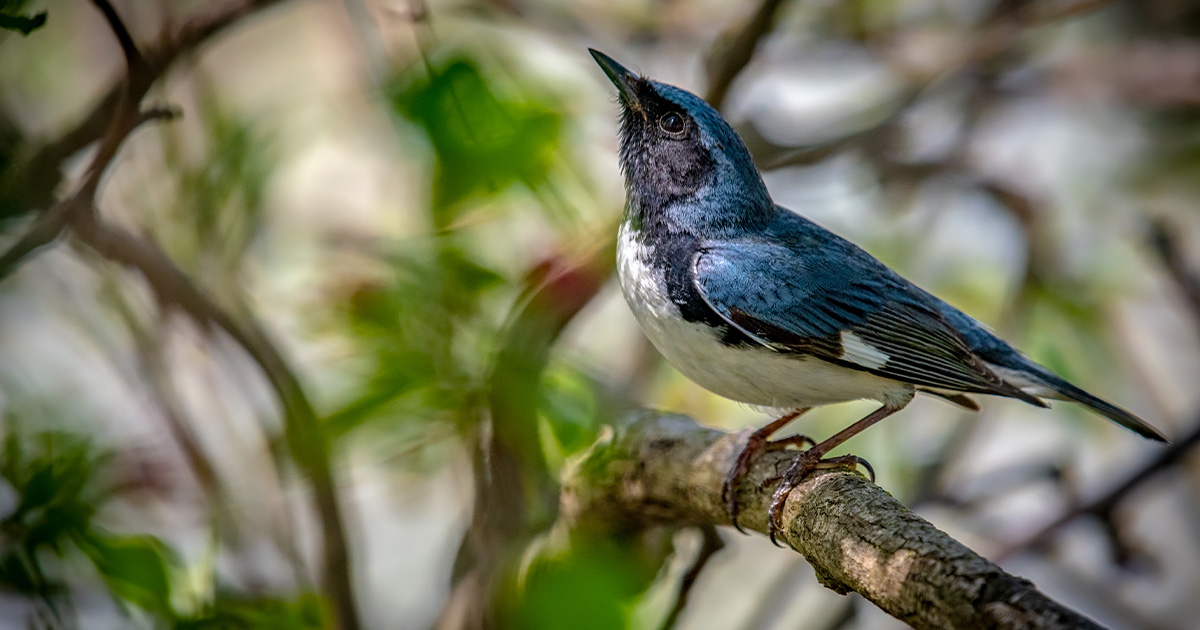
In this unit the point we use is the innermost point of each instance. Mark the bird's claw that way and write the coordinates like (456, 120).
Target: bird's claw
(858, 461)
(754, 447)
(804, 464)
(798, 440)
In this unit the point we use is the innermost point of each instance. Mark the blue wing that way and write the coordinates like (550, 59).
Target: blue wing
(836, 302)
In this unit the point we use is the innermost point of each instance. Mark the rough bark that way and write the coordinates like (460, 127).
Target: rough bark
(661, 469)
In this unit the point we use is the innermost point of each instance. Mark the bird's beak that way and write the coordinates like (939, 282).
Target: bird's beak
(622, 78)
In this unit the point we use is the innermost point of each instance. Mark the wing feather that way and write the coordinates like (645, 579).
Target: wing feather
(768, 293)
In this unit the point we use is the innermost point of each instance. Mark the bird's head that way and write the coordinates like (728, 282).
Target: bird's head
(683, 163)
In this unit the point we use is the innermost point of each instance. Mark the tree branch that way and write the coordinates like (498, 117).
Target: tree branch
(710, 545)
(133, 56)
(1103, 506)
(660, 469)
(305, 436)
(727, 61)
(36, 177)
(514, 496)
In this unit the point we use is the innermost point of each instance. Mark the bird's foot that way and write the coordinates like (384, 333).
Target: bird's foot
(755, 446)
(807, 462)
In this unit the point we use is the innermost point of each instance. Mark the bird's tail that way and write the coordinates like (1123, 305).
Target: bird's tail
(1067, 391)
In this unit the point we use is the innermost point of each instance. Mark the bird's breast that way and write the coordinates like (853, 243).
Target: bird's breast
(703, 347)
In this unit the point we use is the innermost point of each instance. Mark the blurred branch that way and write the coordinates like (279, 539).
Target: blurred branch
(112, 120)
(125, 118)
(514, 494)
(1166, 246)
(659, 469)
(306, 438)
(1103, 506)
(774, 599)
(727, 60)
(1000, 33)
(148, 342)
(710, 545)
(47, 227)
(36, 177)
(133, 57)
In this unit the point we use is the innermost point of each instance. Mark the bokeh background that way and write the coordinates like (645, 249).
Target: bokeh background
(412, 206)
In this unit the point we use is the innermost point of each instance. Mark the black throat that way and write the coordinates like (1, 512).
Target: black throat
(661, 171)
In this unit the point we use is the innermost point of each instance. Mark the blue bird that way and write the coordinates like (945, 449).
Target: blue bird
(758, 304)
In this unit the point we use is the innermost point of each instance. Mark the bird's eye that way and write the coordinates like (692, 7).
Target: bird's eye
(671, 123)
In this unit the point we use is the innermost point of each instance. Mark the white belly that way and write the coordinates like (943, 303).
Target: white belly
(752, 374)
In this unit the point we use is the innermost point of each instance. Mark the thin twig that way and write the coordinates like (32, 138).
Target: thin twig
(710, 545)
(148, 343)
(306, 438)
(133, 57)
(38, 177)
(1103, 506)
(164, 113)
(45, 229)
(125, 116)
(726, 62)
(1166, 246)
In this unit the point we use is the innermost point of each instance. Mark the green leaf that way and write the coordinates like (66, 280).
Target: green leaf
(482, 143)
(589, 587)
(417, 332)
(231, 612)
(12, 20)
(569, 407)
(51, 474)
(135, 568)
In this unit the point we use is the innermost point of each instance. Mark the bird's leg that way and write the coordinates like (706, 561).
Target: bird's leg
(755, 446)
(814, 459)
(798, 440)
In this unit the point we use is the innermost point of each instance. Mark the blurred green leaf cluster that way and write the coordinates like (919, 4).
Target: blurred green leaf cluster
(136, 569)
(429, 326)
(482, 142)
(568, 412)
(56, 483)
(594, 583)
(414, 330)
(56, 479)
(49, 478)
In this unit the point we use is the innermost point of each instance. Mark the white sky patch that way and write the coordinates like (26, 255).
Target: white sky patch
(855, 350)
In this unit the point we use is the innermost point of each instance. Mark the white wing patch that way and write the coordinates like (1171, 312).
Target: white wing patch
(855, 350)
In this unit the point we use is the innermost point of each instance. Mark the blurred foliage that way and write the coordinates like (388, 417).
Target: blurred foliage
(411, 328)
(569, 412)
(13, 17)
(425, 330)
(595, 583)
(49, 479)
(482, 143)
(136, 569)
(57, 482)
(218, 198)
(232, 611)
